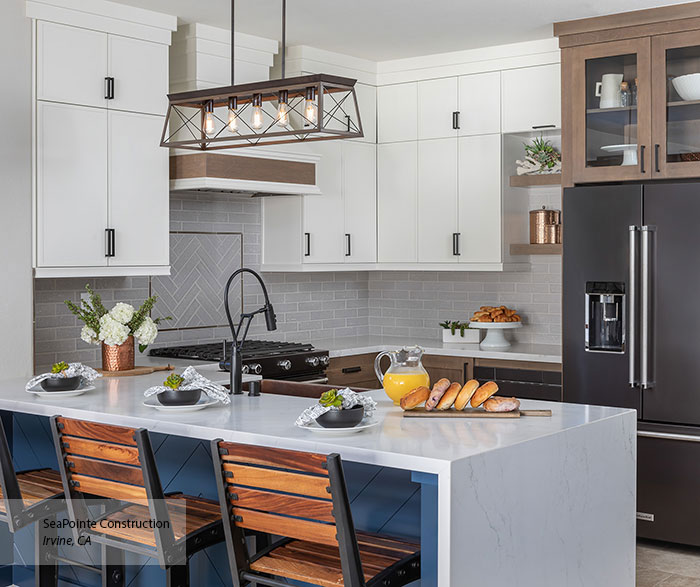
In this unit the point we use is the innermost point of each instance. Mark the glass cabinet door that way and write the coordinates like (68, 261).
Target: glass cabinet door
(612, 109)
(676, 105)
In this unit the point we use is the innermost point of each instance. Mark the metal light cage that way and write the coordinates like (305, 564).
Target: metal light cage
(337, 113)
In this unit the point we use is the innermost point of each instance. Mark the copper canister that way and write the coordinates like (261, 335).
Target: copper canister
(118, 357)
(539, 219)
(552, 234)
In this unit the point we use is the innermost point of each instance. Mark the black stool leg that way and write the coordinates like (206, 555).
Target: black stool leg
(112, 567)
(45, 551)
(178, 575)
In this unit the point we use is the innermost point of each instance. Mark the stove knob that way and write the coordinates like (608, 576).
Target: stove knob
(313, 361)
(245, 370)
(325, 360)
(285, 364)
(255, 368)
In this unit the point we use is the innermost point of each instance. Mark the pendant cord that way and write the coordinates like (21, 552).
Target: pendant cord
(284, 37)
(233, 50)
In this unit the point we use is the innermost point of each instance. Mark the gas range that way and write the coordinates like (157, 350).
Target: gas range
(290, 361)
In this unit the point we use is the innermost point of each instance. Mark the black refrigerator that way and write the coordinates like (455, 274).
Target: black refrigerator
(631, 334)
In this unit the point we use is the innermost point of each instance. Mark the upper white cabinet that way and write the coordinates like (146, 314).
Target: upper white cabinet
(367, 102)
(531, 98)
(101, 196)
(360, 202)
(396, 113)
(438, 108)
(480, 103)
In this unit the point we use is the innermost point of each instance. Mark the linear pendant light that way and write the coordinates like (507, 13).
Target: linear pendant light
(287, 110)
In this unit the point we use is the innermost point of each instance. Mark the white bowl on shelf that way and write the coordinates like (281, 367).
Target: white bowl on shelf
(688, 86)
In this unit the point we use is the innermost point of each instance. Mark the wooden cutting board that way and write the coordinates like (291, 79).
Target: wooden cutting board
(135, 371)
(472, 413)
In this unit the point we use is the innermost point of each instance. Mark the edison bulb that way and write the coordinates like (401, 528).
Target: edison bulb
(283, 114)
(310, 111)
(209, 123)
(256, 119)
(232, 121)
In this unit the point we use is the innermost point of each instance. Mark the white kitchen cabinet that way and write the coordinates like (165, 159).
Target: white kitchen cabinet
(438, 106)
(397, 202)
(282, 228)
(396, 113)
(71, 184)
(138, 181)
(323, 214)
(360, 202)
(480, 218)
(71, 64)
(140, 72)
(480, 103)
(367, 102)
(531, 98)
(437, 200)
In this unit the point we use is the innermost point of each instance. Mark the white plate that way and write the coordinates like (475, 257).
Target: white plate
(363, 425)
(204, 401)
(504, 325)
(629, 152)
(41, 393)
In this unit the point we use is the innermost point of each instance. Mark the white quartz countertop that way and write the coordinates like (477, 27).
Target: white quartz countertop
(427, 445)
(344, 347)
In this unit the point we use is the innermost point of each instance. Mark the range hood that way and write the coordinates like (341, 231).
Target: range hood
(264, 173)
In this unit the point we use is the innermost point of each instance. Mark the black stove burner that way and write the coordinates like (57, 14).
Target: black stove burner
(214, 351)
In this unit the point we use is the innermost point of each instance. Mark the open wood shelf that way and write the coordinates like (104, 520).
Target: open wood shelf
(616, 109)
(528, 249)
(527, 181)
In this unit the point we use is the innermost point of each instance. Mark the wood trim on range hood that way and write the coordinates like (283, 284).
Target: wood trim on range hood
(242, 174)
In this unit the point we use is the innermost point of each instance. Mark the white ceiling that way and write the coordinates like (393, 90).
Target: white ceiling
(390, 29)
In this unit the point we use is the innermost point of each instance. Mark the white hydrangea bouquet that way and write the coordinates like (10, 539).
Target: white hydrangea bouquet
(122, 324)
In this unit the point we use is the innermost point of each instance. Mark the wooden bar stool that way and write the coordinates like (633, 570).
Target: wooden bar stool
(117, 463)
(29, 497)
(302, 498)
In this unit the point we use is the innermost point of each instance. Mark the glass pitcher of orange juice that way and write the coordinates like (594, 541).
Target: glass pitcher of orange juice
(405, 373)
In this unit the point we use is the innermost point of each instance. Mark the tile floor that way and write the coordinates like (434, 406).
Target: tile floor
(660, 564)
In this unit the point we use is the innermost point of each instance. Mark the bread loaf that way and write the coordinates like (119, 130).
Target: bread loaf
(484, 393)
(450, 396)
(436, 394)
(501, 404)
(414, 398)
(466, 394)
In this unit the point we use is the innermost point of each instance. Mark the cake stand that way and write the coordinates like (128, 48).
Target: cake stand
(495, 335)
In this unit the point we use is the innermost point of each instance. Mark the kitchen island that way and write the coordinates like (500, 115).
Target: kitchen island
(530, 501)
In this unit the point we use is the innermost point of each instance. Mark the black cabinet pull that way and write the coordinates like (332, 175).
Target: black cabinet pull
(455, 120)
(109, 88)
(307, 244)
(455, 243)
(656, 158)
(351, 369)
(348, 249)
(642, 148)
(540, 126)
(110, 242)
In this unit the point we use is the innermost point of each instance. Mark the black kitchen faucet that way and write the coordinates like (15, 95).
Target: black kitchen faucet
(270, 320)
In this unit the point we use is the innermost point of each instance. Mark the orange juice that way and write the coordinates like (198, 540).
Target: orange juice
(398, 384)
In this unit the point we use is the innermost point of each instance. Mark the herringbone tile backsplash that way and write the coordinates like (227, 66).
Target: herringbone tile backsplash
(212, 235)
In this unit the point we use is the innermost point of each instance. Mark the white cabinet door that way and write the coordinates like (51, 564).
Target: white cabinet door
(480, 103)
(140, 72)
(531, 98)
(367, 100)
(480, 222)
(360, 197)
(396, 113)
(71, 185)
(437, 200)
(71, 64)
(397, 202)
(437, 108)
(323, 214)
(138, 190)
(282, 229)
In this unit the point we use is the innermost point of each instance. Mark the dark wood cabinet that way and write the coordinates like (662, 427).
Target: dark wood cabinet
(522, 379)
(453, 368)
(353, 371)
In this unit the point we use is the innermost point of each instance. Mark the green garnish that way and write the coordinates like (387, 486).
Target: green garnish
(174, 381)
(331, 399)
(59, 367)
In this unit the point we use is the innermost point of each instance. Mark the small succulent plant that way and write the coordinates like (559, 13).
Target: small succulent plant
(542, 152)
(174, 381)
(454, 325)
(331, 399)
(59, 367)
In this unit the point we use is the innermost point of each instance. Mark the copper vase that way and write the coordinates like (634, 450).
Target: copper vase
(118, 357)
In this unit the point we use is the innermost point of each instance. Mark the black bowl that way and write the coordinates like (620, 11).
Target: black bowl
(342, 418)
(61, 383)
(179, 397)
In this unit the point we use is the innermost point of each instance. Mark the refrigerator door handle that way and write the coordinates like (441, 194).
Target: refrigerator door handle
(645, 375)
(632, 340)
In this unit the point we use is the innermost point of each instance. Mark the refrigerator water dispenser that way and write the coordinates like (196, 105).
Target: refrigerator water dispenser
(605, 316)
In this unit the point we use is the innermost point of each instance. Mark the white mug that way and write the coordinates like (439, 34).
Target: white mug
(608, 90)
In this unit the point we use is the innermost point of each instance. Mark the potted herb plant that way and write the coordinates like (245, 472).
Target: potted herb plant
(459, 332)
(116, 329)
